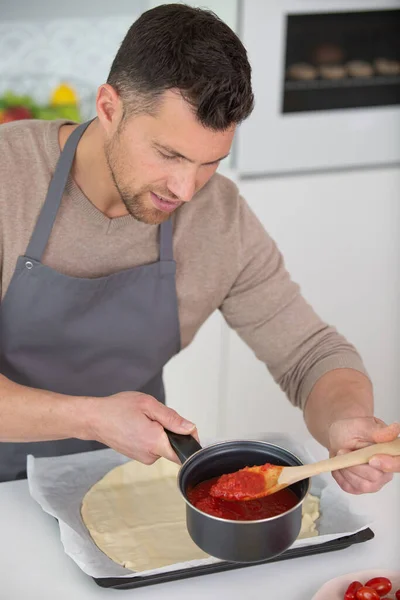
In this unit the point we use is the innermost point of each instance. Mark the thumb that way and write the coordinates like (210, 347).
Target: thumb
(169, 418)
(386, 433)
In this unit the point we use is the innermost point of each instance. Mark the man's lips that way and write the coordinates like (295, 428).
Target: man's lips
(163, 203)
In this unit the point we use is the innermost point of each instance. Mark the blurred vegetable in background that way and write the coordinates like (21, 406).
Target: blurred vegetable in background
(63, 103)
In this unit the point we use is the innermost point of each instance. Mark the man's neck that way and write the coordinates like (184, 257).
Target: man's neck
(91, 173)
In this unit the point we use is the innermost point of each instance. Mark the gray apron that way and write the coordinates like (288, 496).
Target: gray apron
(84, 337)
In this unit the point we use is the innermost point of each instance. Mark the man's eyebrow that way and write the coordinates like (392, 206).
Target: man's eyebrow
(179, 155)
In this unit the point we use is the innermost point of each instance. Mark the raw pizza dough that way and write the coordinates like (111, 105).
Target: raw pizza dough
(310, 513)
(136, 516)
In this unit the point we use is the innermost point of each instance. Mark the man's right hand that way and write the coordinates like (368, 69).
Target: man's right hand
(133, 424)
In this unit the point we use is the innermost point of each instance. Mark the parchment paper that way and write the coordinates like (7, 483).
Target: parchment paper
(59, 484)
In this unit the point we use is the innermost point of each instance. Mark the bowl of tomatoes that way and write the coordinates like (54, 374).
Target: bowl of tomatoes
(362, 585)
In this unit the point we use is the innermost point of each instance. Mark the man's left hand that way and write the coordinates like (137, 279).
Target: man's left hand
(346, 435)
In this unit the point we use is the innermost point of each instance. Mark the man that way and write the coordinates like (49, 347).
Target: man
(118, 240)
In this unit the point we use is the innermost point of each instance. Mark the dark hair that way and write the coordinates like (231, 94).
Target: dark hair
(191, 49)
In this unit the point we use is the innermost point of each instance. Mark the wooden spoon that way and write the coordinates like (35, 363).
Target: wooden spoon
(256, 482)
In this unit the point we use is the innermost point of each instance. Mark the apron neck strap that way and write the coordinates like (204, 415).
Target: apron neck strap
(166, 247)
(45, 222)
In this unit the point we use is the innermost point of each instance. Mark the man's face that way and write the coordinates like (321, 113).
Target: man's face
(160, 161)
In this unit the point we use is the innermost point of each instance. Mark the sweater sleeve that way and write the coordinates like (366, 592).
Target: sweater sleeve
(267, 310)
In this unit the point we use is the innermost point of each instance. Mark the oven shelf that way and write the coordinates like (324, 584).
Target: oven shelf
(347, 82)
(319, 95)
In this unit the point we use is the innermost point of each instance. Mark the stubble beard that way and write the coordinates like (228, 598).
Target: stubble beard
(135, 204)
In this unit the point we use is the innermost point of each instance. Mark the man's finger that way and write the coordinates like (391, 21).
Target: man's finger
(353, 483)
(367, 472)
(163, 448)
(344, 484)
(386, 463)
(368, 481)
(168, 418)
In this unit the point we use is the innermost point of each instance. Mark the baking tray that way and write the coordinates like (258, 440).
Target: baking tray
(126, 583)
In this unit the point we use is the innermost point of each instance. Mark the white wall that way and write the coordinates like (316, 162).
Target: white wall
(48, 9)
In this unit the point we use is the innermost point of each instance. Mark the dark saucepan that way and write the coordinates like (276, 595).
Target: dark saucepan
(236, 541)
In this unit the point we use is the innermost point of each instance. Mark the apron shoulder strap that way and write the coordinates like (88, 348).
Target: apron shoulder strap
(166, 246)
(45, 222)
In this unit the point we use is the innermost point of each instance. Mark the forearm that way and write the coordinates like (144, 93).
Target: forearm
(339, 394)
(30, 415)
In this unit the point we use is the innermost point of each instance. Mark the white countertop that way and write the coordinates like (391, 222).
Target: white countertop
(34, 566)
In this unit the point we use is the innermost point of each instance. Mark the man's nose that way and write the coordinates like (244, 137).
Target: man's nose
(183, 184)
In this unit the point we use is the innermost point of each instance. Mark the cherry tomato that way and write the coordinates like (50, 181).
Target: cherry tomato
(366, 593)
(351, 590)
(382, 585)
(398, 595)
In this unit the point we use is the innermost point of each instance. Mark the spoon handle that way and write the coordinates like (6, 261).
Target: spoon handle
(343, 461)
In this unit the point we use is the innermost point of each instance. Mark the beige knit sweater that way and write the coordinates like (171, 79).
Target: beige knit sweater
(225, 259)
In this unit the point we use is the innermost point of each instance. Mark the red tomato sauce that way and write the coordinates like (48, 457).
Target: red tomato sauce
(250, 510)
(238, 485)
(246, 483)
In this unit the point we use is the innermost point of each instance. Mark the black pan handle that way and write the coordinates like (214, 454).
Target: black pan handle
(184, 445)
